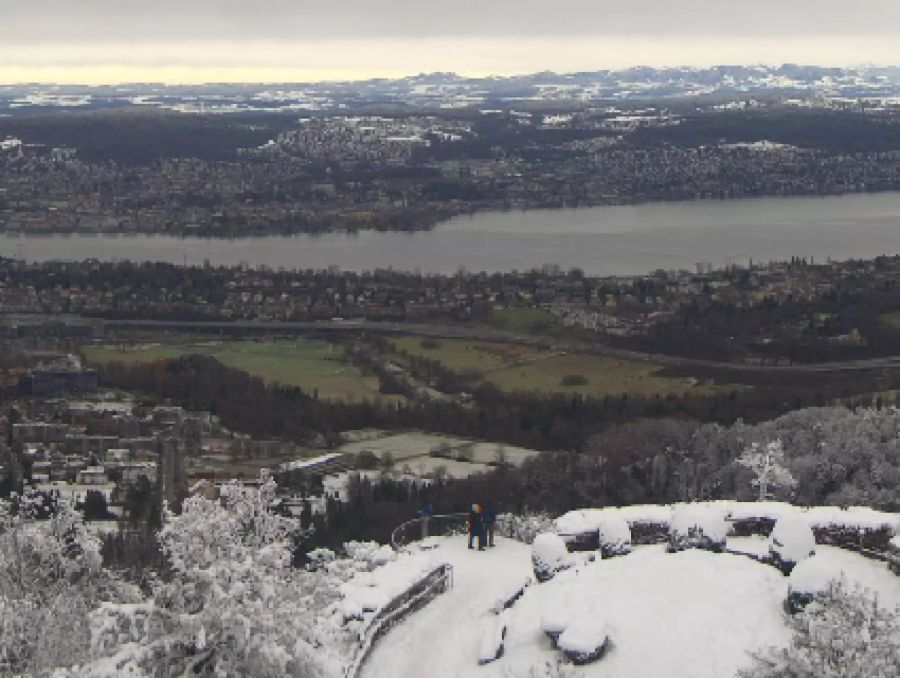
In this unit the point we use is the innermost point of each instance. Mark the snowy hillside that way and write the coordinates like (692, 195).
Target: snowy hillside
(684, 590)
(692, 613)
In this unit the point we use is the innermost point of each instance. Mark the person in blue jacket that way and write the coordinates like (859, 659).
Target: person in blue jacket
(489, 517)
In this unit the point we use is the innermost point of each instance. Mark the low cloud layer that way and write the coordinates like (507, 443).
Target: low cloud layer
(108, 40)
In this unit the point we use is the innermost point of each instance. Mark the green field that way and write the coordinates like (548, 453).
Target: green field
(521, 368)
(890, 320)
(310, 364)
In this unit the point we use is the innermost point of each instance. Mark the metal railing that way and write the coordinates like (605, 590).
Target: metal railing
(416, 596)
(428, 526)
(419, 594)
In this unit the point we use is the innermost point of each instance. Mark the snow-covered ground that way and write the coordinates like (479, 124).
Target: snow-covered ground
(413, 448)
(857, 570)
(443, 639)
(692, 613)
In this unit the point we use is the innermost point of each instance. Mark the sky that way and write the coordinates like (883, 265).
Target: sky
(188, 41)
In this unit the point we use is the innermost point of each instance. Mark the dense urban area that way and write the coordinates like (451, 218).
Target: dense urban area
(411, 155)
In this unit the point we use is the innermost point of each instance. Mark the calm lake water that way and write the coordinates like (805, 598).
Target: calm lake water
(600, 240)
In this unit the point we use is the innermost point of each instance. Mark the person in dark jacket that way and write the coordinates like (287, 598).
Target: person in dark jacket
(489, 517)
(424, 514)
(476, 526)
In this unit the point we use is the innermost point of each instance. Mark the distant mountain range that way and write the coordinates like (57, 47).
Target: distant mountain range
(449, 90)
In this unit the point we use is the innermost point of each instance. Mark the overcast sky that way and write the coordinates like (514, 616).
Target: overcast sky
(201, 40)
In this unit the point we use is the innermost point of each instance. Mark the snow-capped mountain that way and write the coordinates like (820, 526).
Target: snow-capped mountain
(449, 90)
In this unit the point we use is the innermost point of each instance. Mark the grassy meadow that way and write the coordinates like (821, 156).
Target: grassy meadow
(521, 368)
(310, 364)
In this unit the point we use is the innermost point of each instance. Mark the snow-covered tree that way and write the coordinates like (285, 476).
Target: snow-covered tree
(768, 466)
(231, 605)
(841, 634)
(839, 456)
(51, 577)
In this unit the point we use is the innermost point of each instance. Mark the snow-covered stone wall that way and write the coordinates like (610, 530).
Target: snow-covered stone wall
(854, 527)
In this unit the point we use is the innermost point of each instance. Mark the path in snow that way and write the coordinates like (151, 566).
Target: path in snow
(438, 641)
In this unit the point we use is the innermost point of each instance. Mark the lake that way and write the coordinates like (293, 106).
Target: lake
(599, 240)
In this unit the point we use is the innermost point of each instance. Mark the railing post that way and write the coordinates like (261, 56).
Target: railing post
(424, 524)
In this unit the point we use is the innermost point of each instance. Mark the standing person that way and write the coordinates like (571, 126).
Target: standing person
(476, 526)
(489, 518)
(424, 514)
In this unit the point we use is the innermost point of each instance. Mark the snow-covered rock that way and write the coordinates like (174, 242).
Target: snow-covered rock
(556, 618)
(493, 634)
(549, 555)
(813, 575)
(510, 595)
(576, 522)
(808, 579)
(614, 535)
(697, 526)
(585, 639)
(791, 542)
